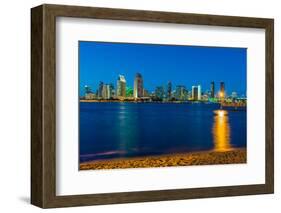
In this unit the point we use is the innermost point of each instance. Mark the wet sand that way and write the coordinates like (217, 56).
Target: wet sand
(197, 158)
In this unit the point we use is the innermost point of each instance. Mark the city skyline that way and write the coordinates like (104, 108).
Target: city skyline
(230, 66)
(161, 93)
(164, 92)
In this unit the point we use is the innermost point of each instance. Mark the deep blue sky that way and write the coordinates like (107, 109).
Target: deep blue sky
(158, 64)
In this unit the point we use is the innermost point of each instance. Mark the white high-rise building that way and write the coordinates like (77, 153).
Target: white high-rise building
(138, 86)
(121, 86)
(106, 91)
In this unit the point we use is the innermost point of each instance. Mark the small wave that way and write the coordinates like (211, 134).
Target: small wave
(102, 154)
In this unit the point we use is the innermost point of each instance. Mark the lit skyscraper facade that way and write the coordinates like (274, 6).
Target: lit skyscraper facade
(121, 86)
(222, 89)
(181, 93)
(138, 86)
(100, 89)
(212, 89)
(196, 93)
(160, 92)
(111, 90)
(169, 90)
(129, 92)
(145, 93)
(105, 91)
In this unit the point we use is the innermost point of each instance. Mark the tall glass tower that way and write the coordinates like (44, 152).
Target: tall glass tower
(138, 86)
(196, 93)
(212, 89)
(222, 90)
(121, 86)
(169, 90)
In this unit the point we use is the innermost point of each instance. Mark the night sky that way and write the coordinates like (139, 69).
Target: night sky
(158, 64)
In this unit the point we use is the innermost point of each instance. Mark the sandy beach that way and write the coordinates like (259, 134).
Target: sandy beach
(199, 158)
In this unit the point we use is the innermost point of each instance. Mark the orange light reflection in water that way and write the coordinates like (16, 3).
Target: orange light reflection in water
(221, 131)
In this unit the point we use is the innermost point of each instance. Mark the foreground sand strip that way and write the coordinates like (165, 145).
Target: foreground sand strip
(199, 158)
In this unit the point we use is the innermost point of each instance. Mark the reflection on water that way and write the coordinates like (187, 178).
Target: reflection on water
(126, 129)
(221, 131)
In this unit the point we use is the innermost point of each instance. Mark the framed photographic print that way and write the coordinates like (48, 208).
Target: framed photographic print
(137, 106)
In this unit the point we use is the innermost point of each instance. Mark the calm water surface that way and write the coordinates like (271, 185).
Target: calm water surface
(118, 130)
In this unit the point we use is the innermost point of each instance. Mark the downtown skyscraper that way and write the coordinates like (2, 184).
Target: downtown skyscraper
(212, 89)
(196, 93)
(121, 86)
(138, 86)
(169, 90)
(222, 90)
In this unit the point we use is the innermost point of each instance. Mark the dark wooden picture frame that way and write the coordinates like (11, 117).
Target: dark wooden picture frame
(43, 105)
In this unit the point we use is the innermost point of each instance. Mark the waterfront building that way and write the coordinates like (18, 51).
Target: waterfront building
(100, 89)
(121, 86)
(234, 95)
(89, 95)
(205, 95)
(87, 89)
(181, 93)
(129, 92)
(111, 91)
(145, 93)
(212, 89)
(169, 90)
(138, 86)
(222, 90)
(106, 91)
(160, 92)
(196, 93)
(208, 94)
